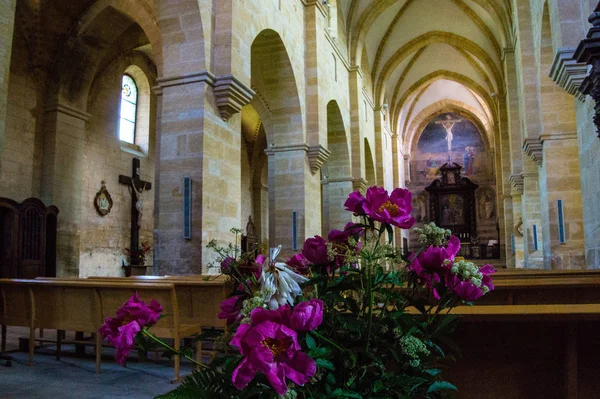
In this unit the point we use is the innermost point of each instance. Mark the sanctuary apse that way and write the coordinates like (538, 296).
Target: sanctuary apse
(277, 110)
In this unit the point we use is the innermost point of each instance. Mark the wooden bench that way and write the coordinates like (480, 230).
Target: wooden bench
(17, 308)
(199, 300)
(83, 305)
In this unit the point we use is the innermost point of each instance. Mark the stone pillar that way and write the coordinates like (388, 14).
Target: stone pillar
(7, 18)
(337, 191)
(532, 216)
(62, 185)
(260, 202)
(518, 259)
(292, 189)
(560, 180)
(195, 142)
(159, 101)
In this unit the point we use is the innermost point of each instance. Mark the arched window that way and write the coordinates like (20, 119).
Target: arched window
(129, 97)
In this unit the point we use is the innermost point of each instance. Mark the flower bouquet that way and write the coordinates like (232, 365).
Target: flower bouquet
(137, 256)
(348, 317)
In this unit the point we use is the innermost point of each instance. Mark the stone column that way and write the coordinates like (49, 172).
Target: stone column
(260, 202)
(195, 142)
(292, 189)
(7, 18)
(338, 190)
(518, 259)
(532, 216)
(62, 185)
(560, 180)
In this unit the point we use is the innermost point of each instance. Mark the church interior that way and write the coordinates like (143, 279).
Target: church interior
(134, 132)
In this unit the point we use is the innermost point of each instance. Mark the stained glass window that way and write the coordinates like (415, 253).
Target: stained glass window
(128, 110)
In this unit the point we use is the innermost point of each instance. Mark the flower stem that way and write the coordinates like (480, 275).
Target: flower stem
(336, 346)
(169, 347)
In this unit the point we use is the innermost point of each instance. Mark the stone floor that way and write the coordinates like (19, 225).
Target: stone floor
(75, 377)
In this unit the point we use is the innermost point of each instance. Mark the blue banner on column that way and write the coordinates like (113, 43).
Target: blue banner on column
(561, 223)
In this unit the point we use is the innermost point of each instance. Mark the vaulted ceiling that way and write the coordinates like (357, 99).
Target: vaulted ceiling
(424, 57)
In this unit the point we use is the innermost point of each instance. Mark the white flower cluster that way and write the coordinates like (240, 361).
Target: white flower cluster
(413, 347)
(257, 301)
(468, 271)
(431, 234)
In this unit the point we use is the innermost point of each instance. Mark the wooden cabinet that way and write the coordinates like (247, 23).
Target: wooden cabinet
(27, 239)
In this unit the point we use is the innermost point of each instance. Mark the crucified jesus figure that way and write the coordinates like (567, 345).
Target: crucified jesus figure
(448, 124)
(139, 201)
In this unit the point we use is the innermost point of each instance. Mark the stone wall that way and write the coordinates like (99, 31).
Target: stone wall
(103, 239)
(21, 161)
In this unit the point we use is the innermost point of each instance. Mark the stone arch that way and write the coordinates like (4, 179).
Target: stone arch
(273, 77)
(278, 105)
(560, 161)
(451, 76)
(337, 172)
(92, 47)
(183, 51)
(447, 105)
(568, 21)
(427, 39)
(370, 172)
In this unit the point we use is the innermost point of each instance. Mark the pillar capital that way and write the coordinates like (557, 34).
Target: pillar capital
(517, 182)
(231, 95)
(568, 73)
(534, 148)
(179, 80)
(67, 109)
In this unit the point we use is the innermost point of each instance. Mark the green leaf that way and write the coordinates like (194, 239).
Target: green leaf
(378, 385)
(441, 386)
(433, 372)
(316, 353)
(310, 342)
(326, 364)
(340, 393)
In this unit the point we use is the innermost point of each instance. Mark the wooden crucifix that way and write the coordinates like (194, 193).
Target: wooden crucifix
(137, 186)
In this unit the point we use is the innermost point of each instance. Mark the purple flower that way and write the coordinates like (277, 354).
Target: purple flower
(299, 263)
(131, 318)
(433, 258)
(307, 316)
(231, 309)
(227, 264)
(270, 346)
(465, 289)
(392, 209)
(354, 203)
(315, 250)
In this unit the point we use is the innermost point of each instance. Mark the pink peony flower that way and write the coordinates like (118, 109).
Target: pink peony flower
(433, 258)
(392, 209)
(299, 263)
(354, 203)
(231, 309)
(270, 346)
(307, 316)
(466, 290)
(315, 250)
(351, 229)
(131, 318)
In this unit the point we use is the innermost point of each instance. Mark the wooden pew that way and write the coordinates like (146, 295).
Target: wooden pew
(199, 299)
(83, 305)
(17, 308)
